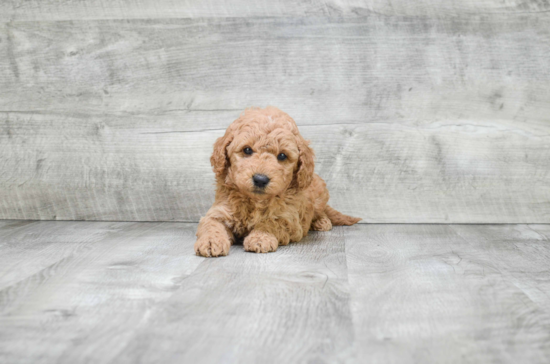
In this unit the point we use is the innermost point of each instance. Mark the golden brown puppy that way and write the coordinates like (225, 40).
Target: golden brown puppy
(267, 192)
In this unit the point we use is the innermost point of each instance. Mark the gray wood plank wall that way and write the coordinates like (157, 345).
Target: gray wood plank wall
(424, 111)
(25, 10)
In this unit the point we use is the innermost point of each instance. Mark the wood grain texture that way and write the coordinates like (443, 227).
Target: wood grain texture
(109, 274)
(383, 172)
(139, 294)
(430, 119)
(292, 306)
(449, 293)
(40, 10)
(108, 292)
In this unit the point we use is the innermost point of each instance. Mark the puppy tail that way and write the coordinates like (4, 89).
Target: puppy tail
(337, 218)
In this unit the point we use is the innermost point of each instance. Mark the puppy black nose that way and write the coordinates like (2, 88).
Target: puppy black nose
(260, 180)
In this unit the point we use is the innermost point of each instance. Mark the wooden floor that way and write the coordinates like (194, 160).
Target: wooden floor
(112, 292)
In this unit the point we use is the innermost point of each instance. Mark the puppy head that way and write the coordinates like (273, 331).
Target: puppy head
(263, 154)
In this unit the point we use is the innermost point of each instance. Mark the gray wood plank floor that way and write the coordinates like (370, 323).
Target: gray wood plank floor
(132, 292)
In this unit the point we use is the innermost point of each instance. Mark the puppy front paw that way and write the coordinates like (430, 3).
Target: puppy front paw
(322, 224)
(212, 245)
(260, 242)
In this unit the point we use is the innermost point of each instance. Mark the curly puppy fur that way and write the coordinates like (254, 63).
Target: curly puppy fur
(293, 202)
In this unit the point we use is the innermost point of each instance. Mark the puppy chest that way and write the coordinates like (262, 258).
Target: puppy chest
(288, 221)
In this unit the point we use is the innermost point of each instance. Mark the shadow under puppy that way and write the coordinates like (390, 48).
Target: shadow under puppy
(266, 192)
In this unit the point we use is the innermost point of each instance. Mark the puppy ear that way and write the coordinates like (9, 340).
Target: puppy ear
(220, 159)
(306, 164)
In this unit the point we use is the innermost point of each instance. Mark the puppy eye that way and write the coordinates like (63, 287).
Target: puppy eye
(281, 157)
(248, 151)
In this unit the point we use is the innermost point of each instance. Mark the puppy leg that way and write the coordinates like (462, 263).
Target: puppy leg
(321, 223)
(260, 242)
(214, 238)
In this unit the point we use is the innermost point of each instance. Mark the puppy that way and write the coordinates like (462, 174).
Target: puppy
(266, 192)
